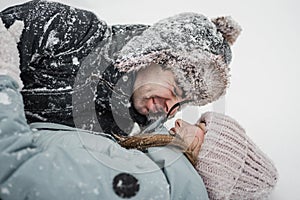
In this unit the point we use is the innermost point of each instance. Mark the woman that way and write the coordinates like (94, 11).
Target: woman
(231, 164)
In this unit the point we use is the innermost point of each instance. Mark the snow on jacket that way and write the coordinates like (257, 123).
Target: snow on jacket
(46, 161)
(67, 67)
(80, 72)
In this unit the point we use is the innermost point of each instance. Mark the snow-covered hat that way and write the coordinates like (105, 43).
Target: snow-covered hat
(231, 165)
(194, 47)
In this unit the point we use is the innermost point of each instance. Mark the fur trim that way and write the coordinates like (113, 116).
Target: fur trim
(203, 78)
(191, 46)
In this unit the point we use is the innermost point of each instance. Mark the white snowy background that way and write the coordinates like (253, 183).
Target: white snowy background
(264, 93)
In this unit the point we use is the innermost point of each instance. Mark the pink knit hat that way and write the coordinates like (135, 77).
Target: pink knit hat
(231, 165)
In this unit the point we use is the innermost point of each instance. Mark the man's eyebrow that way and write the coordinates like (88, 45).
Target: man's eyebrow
(177, 90)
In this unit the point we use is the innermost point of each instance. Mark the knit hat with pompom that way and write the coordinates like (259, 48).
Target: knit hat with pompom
(231, 165)
(194, 47)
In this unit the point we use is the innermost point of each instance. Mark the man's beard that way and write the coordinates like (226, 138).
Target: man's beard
(154, 116)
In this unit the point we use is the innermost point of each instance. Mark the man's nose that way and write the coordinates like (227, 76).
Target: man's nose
(155, 105)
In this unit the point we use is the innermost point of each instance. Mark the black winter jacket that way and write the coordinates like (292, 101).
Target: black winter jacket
(66, 61)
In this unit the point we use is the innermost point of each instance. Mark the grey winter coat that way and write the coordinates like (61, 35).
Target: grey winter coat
(47, 161)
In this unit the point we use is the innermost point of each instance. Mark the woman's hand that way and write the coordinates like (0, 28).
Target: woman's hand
(193, 135)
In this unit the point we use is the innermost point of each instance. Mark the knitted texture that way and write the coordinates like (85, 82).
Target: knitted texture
(231, 165)
(190, 45)
(9, 54)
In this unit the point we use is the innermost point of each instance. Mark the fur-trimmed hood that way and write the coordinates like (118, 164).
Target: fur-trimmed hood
(194, 47)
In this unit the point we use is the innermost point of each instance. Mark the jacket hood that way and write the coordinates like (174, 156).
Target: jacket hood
(194, 47)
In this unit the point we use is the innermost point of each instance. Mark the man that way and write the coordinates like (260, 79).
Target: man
(80, 72)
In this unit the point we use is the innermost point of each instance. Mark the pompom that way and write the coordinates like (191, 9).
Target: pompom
(229, 28)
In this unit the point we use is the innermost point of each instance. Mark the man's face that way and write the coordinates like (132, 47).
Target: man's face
(155, 92)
